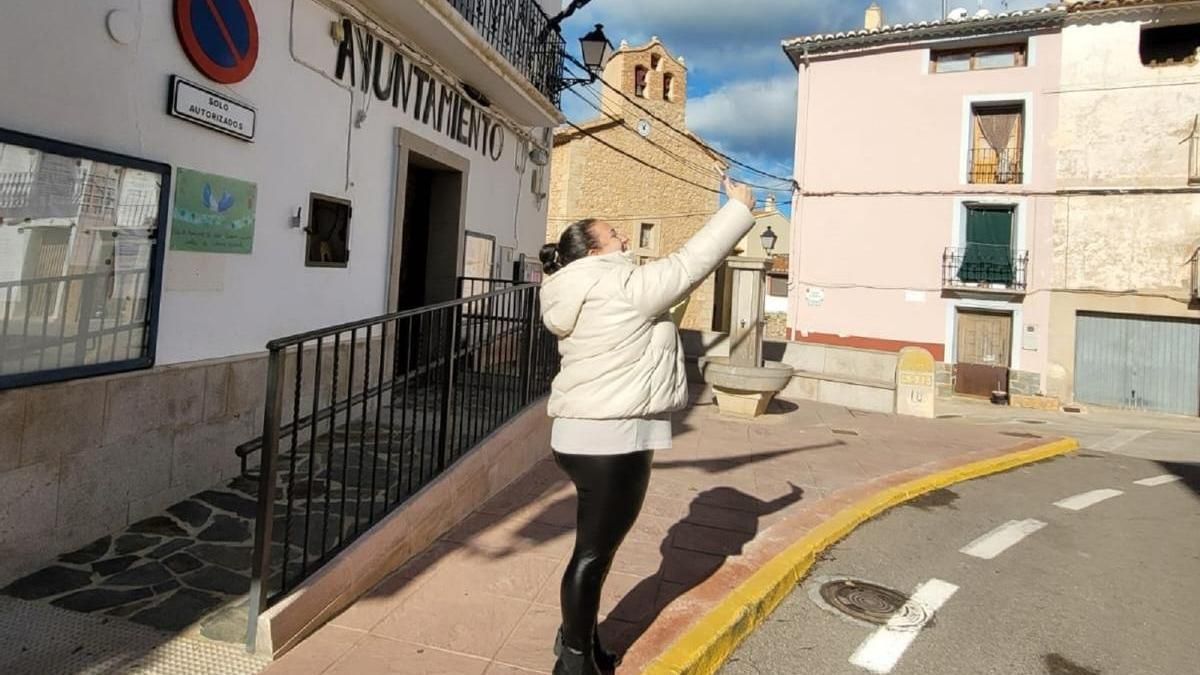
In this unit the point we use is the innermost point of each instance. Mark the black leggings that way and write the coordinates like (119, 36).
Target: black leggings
(611, 491)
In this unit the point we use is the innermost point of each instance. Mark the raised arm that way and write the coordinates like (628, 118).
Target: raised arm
(654, 287)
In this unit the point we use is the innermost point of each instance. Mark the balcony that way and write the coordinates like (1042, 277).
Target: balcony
(988, 166)
(985, 268)
(495, 46)
(513, 28)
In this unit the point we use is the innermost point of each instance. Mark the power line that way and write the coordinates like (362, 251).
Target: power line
(722, 155)
(557, 19)
(688, 162)
(652, 216)
(1066, 192)
(637, 159)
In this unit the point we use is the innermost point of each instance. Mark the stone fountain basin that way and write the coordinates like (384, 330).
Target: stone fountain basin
(771, 377)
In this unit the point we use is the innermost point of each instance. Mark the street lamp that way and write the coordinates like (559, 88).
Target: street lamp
(768, 239)
(596, 51)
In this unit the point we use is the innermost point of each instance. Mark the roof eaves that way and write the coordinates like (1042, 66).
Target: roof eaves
(1032, 19)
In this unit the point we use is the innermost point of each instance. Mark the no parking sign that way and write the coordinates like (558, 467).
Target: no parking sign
(220, 37)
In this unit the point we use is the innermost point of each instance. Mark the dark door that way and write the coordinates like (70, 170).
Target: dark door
(988, 258)
(414, 258)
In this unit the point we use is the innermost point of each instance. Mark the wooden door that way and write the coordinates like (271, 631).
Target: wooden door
(983, 352)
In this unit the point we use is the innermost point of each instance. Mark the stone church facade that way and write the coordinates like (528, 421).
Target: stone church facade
(651, 178)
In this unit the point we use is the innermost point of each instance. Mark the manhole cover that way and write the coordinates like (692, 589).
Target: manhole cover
(872, 603)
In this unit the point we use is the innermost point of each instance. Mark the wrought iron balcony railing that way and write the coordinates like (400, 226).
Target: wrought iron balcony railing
(517, 29)
(991, 167)
(987, 267)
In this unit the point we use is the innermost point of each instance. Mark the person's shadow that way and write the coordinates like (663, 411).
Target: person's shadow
(719, 523)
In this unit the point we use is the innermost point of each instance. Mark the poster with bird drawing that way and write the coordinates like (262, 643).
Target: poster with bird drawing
(212, 214)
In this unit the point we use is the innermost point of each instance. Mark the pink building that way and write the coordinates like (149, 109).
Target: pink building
(925, 209)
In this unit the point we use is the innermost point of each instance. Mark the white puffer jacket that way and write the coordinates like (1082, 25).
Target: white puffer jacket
(621, 353)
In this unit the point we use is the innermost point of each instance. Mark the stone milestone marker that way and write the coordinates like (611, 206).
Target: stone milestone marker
(915, 390)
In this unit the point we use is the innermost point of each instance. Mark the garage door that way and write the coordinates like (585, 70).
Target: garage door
(1146, 363)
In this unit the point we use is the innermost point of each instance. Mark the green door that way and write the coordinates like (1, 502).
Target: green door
(988, 257)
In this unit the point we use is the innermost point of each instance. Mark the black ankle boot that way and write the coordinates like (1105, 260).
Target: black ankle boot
(574, 662)
(605, 659)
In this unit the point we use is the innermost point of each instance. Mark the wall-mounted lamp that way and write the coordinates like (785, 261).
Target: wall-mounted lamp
(596, 51)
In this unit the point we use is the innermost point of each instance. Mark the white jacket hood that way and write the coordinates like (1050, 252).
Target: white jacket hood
(621, 353)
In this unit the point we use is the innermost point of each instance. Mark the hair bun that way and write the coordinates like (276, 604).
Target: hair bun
(550, 258)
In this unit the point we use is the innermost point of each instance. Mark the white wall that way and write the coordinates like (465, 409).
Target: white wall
(63, 77)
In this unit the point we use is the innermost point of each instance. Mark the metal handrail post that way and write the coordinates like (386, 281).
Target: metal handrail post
(453, 317)
(260, 570)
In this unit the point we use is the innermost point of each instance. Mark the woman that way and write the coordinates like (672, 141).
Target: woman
(622, 375)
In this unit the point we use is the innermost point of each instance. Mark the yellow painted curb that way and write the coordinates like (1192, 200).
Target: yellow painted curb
(711, 640)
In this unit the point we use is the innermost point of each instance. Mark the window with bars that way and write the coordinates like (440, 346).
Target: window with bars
(997, 151)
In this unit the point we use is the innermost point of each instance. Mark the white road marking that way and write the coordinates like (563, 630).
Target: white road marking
(1002, 538)
(1082, 501)
(880, 652)
(1119, 440)
(1158, 480)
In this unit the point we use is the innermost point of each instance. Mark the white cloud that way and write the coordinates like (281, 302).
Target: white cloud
(715, 36)
(749, 117)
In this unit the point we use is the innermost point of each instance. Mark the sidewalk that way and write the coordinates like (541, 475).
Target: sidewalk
(728, 497)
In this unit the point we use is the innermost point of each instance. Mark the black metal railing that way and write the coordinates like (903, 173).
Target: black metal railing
(985, 267)
(469, 286)
(15, 188)
(517, 29)
(72, 321)
(988, 166)
(361, 416)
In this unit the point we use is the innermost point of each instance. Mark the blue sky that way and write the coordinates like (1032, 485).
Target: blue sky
(742, 89)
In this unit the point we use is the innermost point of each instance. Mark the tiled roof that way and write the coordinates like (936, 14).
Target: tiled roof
(947, 27)
(1086, 5)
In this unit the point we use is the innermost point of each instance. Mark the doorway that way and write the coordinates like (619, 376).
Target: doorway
(426, 248)
(1138, 362)
(428, 223)
(983, 351)
(430, 233)
(988, 254)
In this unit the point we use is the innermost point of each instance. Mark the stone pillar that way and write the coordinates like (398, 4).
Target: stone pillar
(748, 277)
(915, 389)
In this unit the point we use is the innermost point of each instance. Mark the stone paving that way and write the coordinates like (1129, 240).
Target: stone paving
(729, 496)
(187, 570)
(167, 572)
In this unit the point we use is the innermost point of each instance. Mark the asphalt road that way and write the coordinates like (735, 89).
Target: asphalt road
(1110, 588)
